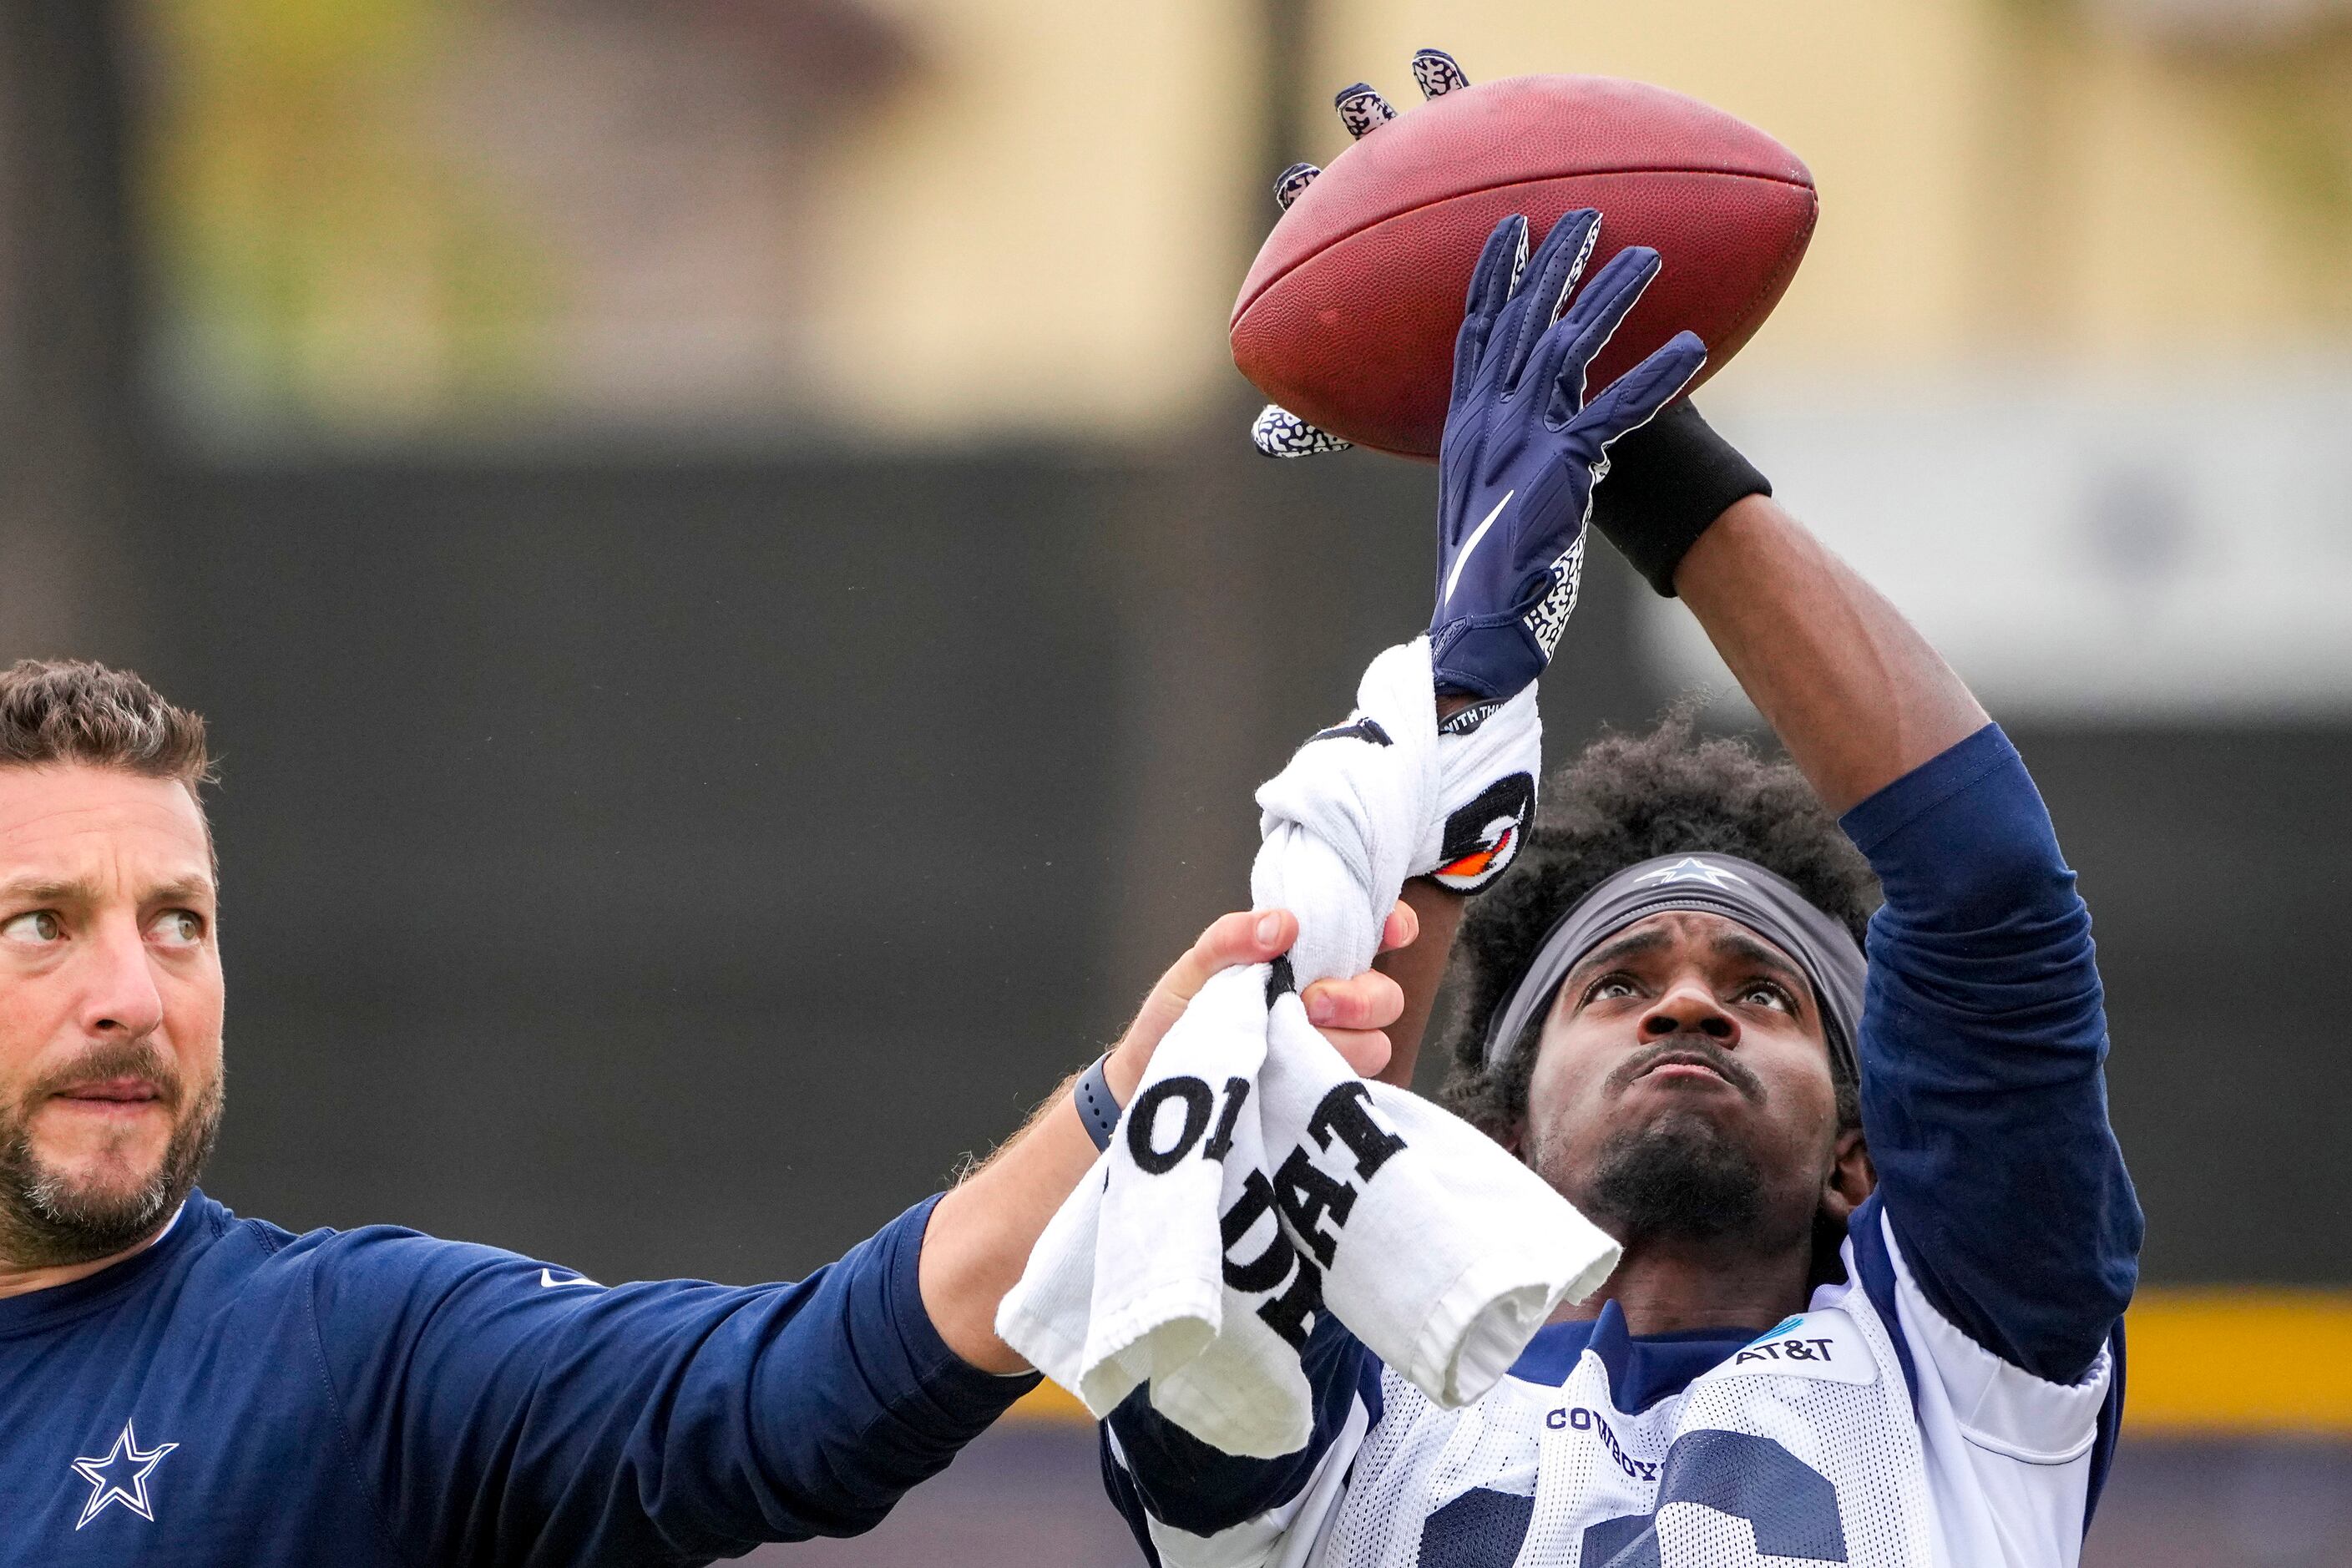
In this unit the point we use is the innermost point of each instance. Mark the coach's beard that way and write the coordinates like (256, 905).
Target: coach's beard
(50, 1220)
(1678, 1177)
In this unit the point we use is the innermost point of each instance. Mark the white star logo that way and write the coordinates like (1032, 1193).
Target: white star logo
(1690, 869)
(104, 1489)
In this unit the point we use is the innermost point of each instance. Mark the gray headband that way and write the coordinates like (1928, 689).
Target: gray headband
(1719, 884)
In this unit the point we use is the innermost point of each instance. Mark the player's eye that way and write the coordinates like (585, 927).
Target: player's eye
(37, 928)
(1765, 994)
(1610, 988)
(178, 928)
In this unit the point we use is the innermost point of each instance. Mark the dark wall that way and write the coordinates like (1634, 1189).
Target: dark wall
(663, 871)
(2216, 862)
(676, 869)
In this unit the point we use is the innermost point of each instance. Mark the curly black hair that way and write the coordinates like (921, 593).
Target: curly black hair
(1626, 799)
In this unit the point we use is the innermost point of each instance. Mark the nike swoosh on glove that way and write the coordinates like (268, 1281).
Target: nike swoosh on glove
(1523, 448)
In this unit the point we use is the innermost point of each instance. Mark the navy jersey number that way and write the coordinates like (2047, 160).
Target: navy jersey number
(1791, 1505)
(1480, 1529)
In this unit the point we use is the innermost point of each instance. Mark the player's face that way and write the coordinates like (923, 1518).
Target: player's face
(110, 1003)
(1683, 1088)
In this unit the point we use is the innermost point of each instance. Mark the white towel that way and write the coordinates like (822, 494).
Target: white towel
(1254, 1180)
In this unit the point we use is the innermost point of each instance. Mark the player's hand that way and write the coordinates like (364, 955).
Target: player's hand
(1524, 448)
(1277, 431)
(1353, 1015)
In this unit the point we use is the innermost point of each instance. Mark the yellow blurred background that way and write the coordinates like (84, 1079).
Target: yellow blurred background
(943, 220)
(939, 221)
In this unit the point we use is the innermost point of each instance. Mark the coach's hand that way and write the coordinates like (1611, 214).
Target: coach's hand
(1353, 1015)
(1524, 449)
(981, 1234)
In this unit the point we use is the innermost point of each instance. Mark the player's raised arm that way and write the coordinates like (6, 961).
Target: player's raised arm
(1663, 1007)
(1852, 688)
(1984, 1032)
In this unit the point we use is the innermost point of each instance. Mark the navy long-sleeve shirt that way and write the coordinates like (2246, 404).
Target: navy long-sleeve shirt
(234, 1394)
(1982, 1042)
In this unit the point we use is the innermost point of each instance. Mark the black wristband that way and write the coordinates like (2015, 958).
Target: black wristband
(1667, 483)
(1096, 1106)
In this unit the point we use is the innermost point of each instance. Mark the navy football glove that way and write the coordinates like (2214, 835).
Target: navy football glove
(1523, 450)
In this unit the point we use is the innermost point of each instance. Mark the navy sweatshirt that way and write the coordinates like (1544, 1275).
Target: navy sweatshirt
(234, 1394)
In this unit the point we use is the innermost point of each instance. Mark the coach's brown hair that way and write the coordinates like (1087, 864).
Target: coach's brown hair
(70, 711)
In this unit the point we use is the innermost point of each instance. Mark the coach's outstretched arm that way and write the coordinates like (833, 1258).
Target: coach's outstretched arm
(492, 1409)
(1984, 1030)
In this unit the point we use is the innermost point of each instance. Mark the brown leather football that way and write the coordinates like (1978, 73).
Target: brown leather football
(1348, 316)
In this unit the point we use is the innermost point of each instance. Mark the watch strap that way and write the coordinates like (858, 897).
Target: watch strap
(1097, 1107)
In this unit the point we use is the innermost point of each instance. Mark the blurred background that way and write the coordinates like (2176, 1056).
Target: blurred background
(719, 544)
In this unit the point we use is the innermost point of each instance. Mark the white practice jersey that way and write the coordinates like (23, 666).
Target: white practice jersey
(1869, 1430)
(1909, 1418)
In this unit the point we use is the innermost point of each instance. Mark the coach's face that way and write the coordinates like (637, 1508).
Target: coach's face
(111, 1002)
(1683, 1089)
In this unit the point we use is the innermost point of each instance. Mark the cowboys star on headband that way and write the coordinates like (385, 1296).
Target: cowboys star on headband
(1724, 885)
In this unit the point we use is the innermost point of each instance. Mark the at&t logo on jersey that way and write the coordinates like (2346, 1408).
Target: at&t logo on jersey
(1823, 1344)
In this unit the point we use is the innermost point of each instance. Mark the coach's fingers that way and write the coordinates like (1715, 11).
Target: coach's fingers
(1365, 1051)
(1350, 1014)
(1368, 1001)
(1249, 937)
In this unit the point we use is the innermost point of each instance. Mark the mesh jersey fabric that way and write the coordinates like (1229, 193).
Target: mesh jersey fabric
(1985, 1283)
(1806, 1446)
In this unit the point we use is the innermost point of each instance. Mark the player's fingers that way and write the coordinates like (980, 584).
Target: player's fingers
(1633, 399)
(1291, 182)
(1365, 1051)
(1436, 74)
(1362, 110)
(1557, 264)
(1585, 232)
(1367, 1001)
(1402, 929)
(1593, 319)
(1279, 433)
(1491, 281)
(1496, 272)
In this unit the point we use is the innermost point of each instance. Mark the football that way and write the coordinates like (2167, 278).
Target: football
(1348, 317)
